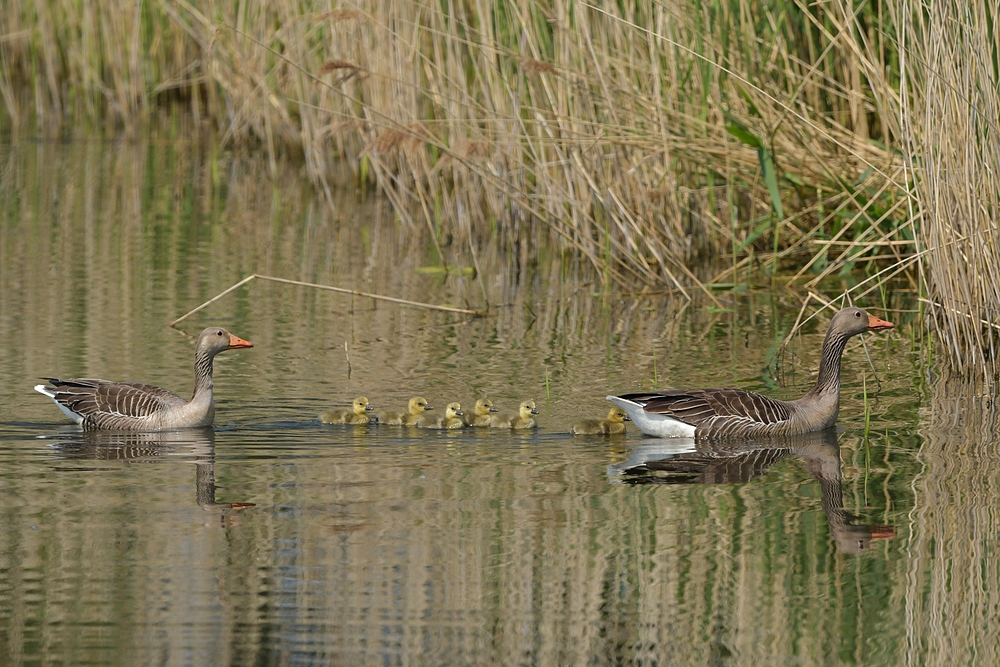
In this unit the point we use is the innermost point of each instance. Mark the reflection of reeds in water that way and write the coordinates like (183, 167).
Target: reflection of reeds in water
(952, 579)
(552, 563)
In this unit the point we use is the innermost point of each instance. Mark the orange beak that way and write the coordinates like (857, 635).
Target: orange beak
(875, 324)
(236, 341)
(883, 532)
(242, 506)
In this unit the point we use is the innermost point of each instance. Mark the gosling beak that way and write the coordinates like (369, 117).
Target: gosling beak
(236, 342)
(875, 324)
(534, 411)
(458, 412)
(428, 407)
(368, 406)
(493, 408)
(627, 418)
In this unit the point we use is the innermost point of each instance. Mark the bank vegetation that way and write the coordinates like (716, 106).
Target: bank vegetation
(798, 141)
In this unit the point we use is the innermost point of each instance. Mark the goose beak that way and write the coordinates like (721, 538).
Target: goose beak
(875, 324)
(369, 407)
(493, 408)
(237, 342)
(627, 418)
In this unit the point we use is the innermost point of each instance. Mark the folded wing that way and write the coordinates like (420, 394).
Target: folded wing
(716, 412)
(103, 404)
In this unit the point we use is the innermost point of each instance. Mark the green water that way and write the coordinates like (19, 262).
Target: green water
(276, 540)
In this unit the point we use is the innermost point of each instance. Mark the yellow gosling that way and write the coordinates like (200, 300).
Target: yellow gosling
(409, 417)
(451, 419)
(481, 413)
(614, 424)
(356, 415)
(522, 419)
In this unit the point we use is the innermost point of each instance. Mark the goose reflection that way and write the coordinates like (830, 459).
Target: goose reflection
(684, 461)
(196, 445)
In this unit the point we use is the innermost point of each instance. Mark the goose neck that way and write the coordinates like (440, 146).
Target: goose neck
(203, 381)
(829, 364)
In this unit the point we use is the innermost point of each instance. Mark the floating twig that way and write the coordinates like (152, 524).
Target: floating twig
(342, 290)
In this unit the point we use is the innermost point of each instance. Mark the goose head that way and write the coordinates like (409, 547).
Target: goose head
(360, 405)
(216, 339)
(452, 410)
(526, 409)
(853, 321)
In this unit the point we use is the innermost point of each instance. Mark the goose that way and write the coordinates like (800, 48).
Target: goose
(450, 420)
(356, 415)
(409, 417)
(481, 413)
(722, 413)
(522, 419)
(614, 424)
(100, 405)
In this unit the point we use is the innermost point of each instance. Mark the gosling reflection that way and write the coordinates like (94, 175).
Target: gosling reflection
(683, 461)
(195, 445)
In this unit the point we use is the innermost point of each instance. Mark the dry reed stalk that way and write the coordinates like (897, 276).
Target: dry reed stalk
(331, 288)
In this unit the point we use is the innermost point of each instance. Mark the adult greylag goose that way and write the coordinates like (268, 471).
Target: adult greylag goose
(481, 413)
(451, 419)
(356, 415)
(613, 425)
(721, 413)
(408, 417)
(100, 405)
(522, 419)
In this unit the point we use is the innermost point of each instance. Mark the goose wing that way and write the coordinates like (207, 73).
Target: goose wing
(716, 412)
(94, 398)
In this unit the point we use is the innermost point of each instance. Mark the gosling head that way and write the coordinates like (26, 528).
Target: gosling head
(617, 416)
(484, 406)
(418, 404)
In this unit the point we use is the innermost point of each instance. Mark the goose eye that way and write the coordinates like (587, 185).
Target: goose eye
(218, 333)
(857, 313)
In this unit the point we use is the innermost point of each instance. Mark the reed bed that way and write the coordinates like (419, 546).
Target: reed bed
(950, 108)
(809, 139)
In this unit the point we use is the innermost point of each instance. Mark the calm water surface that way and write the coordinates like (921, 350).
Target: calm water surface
(276, 540)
